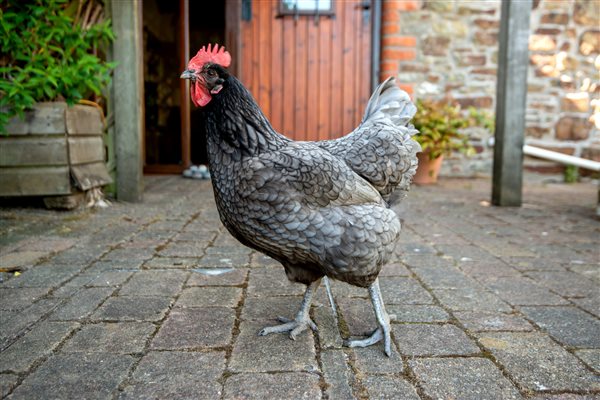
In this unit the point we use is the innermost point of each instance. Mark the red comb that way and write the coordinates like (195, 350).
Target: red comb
(214, 55)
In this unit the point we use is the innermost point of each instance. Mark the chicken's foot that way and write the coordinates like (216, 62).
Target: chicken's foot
(302, 320)
(383, 319)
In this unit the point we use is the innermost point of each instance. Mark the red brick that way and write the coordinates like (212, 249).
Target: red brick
(555, 18)
(402, 41)
(389, 66)
(390, 16)
(387, 29)
(408, 88)
(401, 5)
(402, 55)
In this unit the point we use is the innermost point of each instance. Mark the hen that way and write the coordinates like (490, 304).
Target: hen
(319, 208)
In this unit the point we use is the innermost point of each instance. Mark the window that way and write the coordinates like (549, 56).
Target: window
(306, 7)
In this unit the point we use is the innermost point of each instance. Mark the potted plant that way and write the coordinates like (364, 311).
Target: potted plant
(51, 140)
(441, 132)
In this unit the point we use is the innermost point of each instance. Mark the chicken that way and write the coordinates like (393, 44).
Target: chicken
(319, 208)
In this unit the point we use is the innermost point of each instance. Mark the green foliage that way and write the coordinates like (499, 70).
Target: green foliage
(441, 124)
(571, 174)
(47, 56)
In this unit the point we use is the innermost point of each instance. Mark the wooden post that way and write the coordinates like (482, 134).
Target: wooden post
(128, 98)
(510, 103)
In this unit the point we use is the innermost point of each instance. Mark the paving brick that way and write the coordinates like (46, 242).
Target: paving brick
(590, 304)
(22, 258)
(110, 278)
(272, 281)
(471, 299)
(398, 290)
(7, 383)
(432, 340)
(427, 260)
(520, 291)
(537, 363)
(15, 322)
(127, 308)
(182, 249)
(209, 297)
(382, 387)
(358, 316)
(154, 283)
(81, 304)
(121, 337)
(444, 278)
(36, 344)
(287, 385)
(416, 313)
(372, 360)
(271, 353)
(565, 283)
(171, 263)
(395, 269)
(236, 277)
(191, 328)
(262, 308)
(462, 378)
(76, 376)
(20, 298)
(121, 265)
(47, 276)
(488, 321)
(591, 357)
(328, 327)
(162, 375)
(568, 325)
(337, 374)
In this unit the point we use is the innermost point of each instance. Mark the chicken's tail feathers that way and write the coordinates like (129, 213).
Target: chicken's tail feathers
(388, 101)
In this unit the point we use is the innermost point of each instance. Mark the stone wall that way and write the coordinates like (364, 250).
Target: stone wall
(448, 49)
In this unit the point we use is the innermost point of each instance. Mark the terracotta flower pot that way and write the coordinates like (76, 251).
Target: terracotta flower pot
(428, 170)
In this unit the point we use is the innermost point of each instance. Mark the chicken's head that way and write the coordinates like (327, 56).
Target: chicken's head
(207, 73)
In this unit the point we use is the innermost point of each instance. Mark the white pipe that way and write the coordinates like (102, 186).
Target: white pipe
(561, 158)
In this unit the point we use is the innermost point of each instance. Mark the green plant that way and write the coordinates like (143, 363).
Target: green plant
(50, 53)
(441, 127)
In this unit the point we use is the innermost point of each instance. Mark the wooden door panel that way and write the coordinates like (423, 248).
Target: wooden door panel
(311, 76)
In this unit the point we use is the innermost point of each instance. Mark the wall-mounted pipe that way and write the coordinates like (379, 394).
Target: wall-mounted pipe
(561, 158)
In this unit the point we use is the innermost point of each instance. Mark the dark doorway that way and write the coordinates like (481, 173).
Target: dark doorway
(207, 25)
(173, 137)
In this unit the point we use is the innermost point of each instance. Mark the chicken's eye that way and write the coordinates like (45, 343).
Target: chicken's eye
(212, 73)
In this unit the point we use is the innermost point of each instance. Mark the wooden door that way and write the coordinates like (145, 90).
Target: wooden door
(311, 74)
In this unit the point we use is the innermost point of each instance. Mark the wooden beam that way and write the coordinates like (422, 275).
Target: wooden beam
(510, 103)
(128, 97)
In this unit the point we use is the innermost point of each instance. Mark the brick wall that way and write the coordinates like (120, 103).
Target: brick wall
(448, 49)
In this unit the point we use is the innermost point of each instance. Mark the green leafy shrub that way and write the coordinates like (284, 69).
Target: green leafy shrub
(441, 127)
(47, 55)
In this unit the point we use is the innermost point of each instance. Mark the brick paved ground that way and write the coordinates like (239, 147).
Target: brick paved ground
(488, 303)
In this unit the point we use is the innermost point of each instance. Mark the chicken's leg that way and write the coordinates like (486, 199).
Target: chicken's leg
(383, 332)
(302, 320)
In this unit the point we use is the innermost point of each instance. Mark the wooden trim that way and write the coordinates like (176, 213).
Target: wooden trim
(164, 169)
(233, 16)
(184, 56)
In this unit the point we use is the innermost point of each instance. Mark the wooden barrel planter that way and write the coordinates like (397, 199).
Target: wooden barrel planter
(56, 152)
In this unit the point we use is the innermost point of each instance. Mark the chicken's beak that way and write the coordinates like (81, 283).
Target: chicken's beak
(188, 74)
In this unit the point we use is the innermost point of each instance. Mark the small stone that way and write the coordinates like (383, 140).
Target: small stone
(572, 128)
(435, 45)
(190, 328)
(555, 18)
(586, 12)
(462, 378)
(589, 43)
(287, 385)
(542, 43)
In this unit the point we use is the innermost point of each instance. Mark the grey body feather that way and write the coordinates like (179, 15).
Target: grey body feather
(320, 208)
